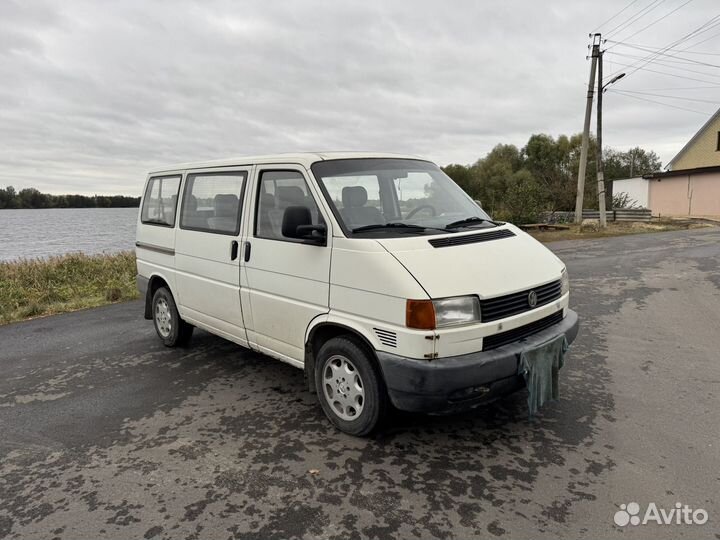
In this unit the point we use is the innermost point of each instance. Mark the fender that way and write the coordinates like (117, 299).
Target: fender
(343, 325)
(149, 291)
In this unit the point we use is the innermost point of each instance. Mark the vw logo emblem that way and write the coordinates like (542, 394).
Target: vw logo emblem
(532, 299)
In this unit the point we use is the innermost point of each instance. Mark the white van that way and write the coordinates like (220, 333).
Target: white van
(374, 273)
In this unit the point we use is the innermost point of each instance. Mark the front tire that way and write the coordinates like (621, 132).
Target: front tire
(350, 388)
(171, 329)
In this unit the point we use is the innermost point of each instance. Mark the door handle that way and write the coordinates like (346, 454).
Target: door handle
(233, 250)
(247, 251)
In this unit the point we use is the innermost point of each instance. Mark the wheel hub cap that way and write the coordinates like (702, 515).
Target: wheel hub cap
(162, 317)
(343, 387)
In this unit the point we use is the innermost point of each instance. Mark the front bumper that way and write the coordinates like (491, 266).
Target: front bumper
(461, 382)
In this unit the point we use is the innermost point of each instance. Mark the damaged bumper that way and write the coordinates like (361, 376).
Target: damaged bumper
(461, 382)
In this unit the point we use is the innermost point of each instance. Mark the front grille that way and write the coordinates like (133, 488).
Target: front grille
(470, 238)
(493, 309)
(516, 334)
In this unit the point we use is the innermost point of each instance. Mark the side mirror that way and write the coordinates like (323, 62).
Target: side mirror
(297, 223)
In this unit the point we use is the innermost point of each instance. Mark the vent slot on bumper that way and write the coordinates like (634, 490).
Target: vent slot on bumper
(516, 334)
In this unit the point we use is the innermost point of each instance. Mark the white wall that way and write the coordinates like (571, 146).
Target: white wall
(636, 188)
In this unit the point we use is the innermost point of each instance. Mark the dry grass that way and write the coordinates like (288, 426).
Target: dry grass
(616, 229)
(36, 287)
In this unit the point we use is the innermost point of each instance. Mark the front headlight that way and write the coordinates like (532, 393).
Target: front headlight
(457, 310)
(564, 282)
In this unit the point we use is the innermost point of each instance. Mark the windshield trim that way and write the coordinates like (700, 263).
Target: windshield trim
(347, 231)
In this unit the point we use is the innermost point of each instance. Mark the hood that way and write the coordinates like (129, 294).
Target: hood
(490, 268)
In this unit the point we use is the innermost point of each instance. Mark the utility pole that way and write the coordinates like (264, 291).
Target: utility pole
(598, 159)
(586, 130)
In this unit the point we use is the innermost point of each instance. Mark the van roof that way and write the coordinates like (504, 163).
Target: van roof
(302, 158)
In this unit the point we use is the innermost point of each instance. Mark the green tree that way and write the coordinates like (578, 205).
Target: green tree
(630, 164)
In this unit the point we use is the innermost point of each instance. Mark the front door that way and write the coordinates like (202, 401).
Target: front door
(207, 251)
(287, 278)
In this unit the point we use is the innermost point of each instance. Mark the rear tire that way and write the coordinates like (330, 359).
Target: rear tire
(171, 329)
(349, 386)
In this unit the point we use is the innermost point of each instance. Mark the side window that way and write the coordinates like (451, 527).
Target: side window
(160, 201)
(212, 202)
(283, 196)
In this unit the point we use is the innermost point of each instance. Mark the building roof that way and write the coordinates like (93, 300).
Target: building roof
(301, 158)
(682, 172)
(694, 138)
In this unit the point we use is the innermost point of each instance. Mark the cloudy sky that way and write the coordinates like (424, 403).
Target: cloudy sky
(94, 93)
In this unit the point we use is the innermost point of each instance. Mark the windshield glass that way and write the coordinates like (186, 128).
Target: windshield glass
(395, 197)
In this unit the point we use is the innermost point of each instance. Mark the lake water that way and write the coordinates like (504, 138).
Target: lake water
(55, 231)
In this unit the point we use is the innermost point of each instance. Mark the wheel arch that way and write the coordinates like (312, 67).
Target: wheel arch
(324, 328)
(154, 283)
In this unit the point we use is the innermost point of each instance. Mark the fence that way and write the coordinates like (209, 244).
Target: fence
(619, 214)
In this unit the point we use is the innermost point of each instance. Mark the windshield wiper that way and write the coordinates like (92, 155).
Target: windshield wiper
(468, 221)
(394, 225)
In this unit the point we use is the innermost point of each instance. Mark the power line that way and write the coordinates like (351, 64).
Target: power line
(658, 20)
(669, 64)
(668, 74)
(700, 42)
(683, 88)
(658, 102)
(701, 29)
(655, 49)
(659, 52)
(618, 13)
(712, 102)
(634, 18)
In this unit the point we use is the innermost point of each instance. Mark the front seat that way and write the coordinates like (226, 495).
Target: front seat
(354, 211)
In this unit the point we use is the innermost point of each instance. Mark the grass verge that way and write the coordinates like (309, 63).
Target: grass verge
(36, 287)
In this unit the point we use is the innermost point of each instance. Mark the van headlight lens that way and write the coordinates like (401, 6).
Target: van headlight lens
(456, 310)
(564, 282)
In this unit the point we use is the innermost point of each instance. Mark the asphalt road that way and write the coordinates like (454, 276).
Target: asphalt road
(104, 433)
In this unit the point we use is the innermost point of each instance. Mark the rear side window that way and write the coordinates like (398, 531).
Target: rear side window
(212, 202)
(277, 191)
(160, 201)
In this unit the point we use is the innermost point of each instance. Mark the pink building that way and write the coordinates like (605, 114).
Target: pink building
(692, 185)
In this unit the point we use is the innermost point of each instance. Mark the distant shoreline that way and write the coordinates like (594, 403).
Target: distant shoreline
(73, 208)
(34, 199)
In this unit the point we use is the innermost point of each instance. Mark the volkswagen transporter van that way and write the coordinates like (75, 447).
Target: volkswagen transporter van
(374, 273)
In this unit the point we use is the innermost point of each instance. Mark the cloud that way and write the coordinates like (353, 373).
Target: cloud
(96, 93)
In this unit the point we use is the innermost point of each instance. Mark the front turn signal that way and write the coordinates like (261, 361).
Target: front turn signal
(420, 314)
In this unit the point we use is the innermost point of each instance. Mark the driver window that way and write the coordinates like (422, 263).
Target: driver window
(277, 191)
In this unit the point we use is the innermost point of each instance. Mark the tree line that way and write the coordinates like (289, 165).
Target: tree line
(521, 184)
(33, 198)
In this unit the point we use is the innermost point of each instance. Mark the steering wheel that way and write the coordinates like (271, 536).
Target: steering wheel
(421, 207)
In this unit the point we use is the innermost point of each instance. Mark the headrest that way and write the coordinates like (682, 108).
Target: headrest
(267, 200)
(226, 205)
(354, 196)
(290, 194)
(191, 203)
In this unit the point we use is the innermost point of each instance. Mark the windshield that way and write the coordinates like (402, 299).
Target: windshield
(395, 197)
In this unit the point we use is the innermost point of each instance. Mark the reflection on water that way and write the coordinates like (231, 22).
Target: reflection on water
(54, 231)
